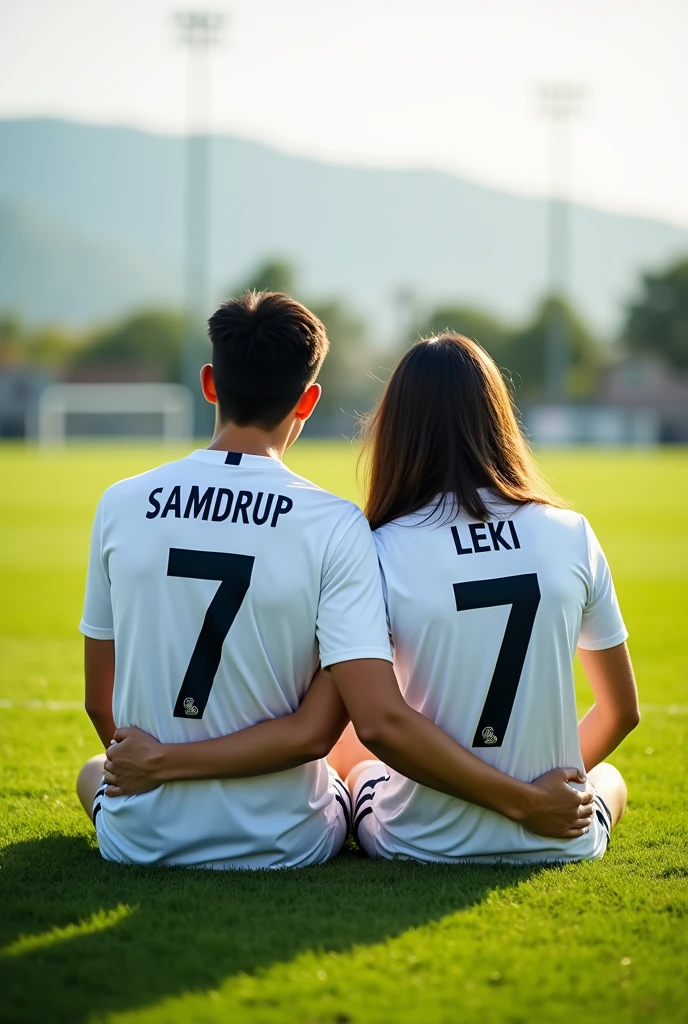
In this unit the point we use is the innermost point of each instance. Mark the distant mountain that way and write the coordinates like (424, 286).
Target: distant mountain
(359, 233)
(51, 272)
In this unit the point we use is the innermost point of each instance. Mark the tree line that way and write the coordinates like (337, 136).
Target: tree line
(150, 341)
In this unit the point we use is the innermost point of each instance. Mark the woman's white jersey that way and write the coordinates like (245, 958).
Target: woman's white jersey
(485, 619)
(224, 579)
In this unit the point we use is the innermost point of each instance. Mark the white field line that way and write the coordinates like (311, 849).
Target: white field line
(42, 705)
(666, 709)
(77, 705)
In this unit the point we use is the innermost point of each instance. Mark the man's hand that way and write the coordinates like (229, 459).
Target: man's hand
(132, 763)
(558, 811)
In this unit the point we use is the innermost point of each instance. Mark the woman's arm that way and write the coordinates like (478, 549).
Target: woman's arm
(139, 762)
(615, 712)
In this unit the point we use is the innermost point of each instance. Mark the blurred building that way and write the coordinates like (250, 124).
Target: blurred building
(20, 387)
(645, 383)
(563, 425)
(638, 401)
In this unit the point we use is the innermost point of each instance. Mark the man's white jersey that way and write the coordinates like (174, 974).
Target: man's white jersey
(224, 579)
(485, 619)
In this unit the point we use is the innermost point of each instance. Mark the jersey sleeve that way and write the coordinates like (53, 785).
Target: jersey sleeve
(96, 621)
(385, 593)
(602, 625)
(352, 622)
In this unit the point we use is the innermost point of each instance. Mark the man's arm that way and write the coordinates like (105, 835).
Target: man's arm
(139, 763)
(99, 673)
(417, 748)
(615, 712)
(99, 645)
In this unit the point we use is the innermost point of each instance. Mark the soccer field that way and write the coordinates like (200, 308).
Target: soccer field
(353, 941)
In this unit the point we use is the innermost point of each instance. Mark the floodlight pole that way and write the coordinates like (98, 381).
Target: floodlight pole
(199, 30)
(560, 102)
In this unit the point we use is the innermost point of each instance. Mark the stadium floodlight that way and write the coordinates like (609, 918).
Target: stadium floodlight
(199, 31)
(199, 28)
(560, 102)
(99, 406)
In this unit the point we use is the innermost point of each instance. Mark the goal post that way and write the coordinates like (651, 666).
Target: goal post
(99, 406)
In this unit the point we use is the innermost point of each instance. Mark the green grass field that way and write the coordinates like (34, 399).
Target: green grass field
(353, 941)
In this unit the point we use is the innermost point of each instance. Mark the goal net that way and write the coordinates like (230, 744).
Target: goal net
(79, 411)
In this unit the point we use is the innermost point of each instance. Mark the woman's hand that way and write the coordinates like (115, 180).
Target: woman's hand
(132, 763)
(556, 809)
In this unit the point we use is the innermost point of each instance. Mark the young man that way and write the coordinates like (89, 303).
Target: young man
(216, 586)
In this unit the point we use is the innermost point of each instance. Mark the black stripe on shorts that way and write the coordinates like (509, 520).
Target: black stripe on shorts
(370, 784)
(604, 805)
(344, 789)
(359, 819)
(603, 822)
(362, 812)
(347, 817)
(343, 797)
(97, 795)
(604, 815)
(364, 799)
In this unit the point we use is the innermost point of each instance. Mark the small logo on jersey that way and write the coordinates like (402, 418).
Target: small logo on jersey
(191, 709)
(488, 735)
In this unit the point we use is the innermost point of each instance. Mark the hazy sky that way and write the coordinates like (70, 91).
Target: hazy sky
(439, 83)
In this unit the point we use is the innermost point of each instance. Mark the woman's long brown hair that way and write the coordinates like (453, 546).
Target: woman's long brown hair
(446, 427)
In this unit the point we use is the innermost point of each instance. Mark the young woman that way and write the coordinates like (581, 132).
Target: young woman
(491, 586)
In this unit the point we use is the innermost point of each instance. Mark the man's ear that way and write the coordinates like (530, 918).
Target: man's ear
(307, 402)
(208, 384)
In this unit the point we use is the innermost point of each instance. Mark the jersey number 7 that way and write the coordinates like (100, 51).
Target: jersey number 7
(523, 594)
(234, 573)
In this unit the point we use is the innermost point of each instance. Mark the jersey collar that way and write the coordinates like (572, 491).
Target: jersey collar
(230, 459)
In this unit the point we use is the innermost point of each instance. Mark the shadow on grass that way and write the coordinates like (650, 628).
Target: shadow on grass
(187, 931)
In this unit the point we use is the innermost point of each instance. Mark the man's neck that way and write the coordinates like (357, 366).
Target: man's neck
(249, 441)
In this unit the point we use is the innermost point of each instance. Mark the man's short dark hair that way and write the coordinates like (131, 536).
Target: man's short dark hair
(267, 349)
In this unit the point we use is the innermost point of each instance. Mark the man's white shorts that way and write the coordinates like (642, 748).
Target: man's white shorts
(340, 831)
